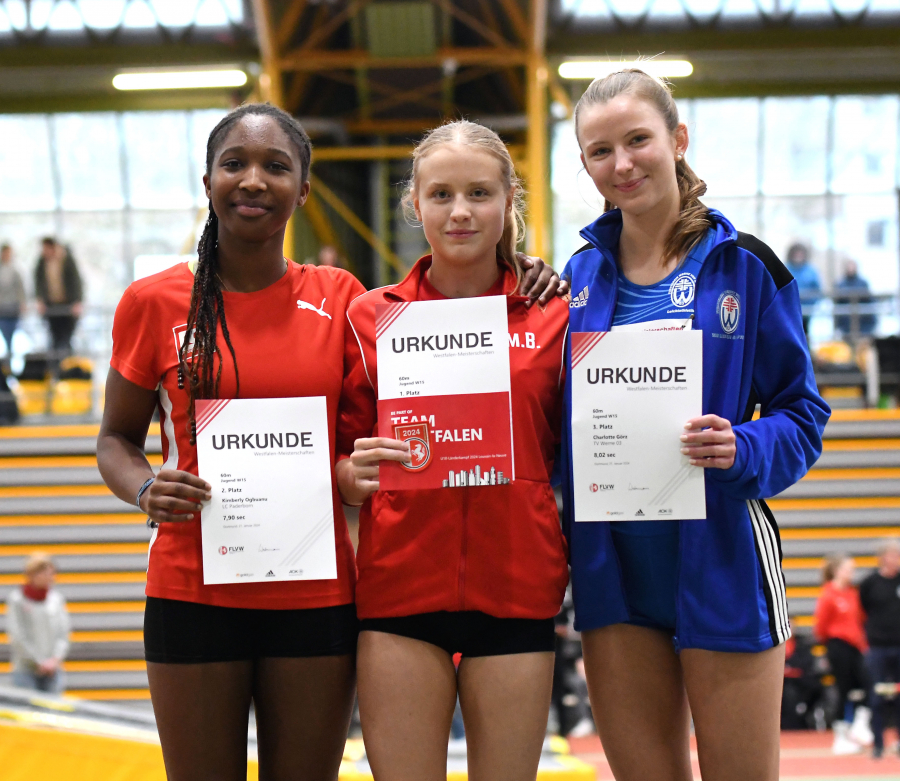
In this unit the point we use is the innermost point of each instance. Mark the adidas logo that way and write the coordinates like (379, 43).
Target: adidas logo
(640, 513)
(580, 300)
(270, 574)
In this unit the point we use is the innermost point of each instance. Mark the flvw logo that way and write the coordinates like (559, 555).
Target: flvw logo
(681, 291)
(729, 308)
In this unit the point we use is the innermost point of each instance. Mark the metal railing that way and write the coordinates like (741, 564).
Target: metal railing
(92, 339)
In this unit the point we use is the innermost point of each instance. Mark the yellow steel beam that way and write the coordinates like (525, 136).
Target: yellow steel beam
(538, 166)
(390, 152)
(321, 34)
(270, 83)
(419, 96)
(561, 96)
(296, 91)
(320, 223)
(368, 235)
(341, 77)
(348, 59)
(517, 18)
(473, 23)
(513, 82)
(287, 25)
(270, 79)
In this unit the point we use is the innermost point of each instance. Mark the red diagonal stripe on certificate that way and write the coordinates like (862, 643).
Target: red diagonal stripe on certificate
(205, 408)
(387, 315)
(209, 412)
(583, 343)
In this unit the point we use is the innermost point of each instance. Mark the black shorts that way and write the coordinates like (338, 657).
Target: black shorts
(470, 632)
(177, 632)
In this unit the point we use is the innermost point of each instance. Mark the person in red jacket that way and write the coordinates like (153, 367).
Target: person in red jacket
(840, 624)
(479, 570)
(261, 327)
(287, 647)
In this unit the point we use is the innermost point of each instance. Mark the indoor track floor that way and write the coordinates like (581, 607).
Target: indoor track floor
(805, 756)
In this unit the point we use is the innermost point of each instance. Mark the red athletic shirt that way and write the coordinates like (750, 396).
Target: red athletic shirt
(496, 549)
(283, 350)
(839, 615)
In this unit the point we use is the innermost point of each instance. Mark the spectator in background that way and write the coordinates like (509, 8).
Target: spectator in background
(853, 291)
(12, 296)
(839, 624)
(807, 277)
(38, 625)
(329, 256)
(879, 594)
(57, 286)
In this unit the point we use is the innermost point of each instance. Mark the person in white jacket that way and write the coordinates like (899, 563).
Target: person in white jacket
(38, 627)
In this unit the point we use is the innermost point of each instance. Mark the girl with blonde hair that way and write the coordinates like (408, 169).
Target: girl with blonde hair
(480, 569)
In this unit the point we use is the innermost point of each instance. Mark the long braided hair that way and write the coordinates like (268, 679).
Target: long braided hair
(693, 218)
(199, 357)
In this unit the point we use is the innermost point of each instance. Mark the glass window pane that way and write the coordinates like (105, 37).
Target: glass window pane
(720, 128)
(25, 160)
(211, 13)
(87, 152)
(158, 168)
(591, 8)
(39, 13)
(102, 14)
(742, 212)
(865, 230)
(17, 12)
(162, 232)
(24, 231)
(201, 123)
(865, 144)
(174, 14)
(97, 242)
(65, 17)
(788, 220)
(138, 14)
(795, 139)
(576, 202)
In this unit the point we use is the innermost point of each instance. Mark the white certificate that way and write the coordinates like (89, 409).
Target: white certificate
(632, 393)
(271, 515)
(444, 387)
(458, 346)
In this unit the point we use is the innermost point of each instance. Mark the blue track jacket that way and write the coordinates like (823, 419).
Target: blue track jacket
(730, 588)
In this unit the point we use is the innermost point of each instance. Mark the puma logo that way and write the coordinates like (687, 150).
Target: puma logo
(311, 308)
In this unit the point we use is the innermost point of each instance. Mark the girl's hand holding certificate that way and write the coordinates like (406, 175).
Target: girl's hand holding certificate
(709, 442)
(357, 476)
(175, 496)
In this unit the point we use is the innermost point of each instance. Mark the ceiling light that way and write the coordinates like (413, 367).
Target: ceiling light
(594, 69)
(187, 79)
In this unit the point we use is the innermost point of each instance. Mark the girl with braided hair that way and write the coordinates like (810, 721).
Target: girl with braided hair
(688, 618)
(228, 326)
(239, 322)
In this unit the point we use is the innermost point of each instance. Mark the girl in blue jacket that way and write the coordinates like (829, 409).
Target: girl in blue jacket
(688, 618)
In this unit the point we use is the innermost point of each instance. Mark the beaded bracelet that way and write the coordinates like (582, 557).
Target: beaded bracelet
(147, 483)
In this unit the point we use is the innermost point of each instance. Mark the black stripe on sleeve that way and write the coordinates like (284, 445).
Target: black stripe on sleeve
(585, 248)
(777, 270)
